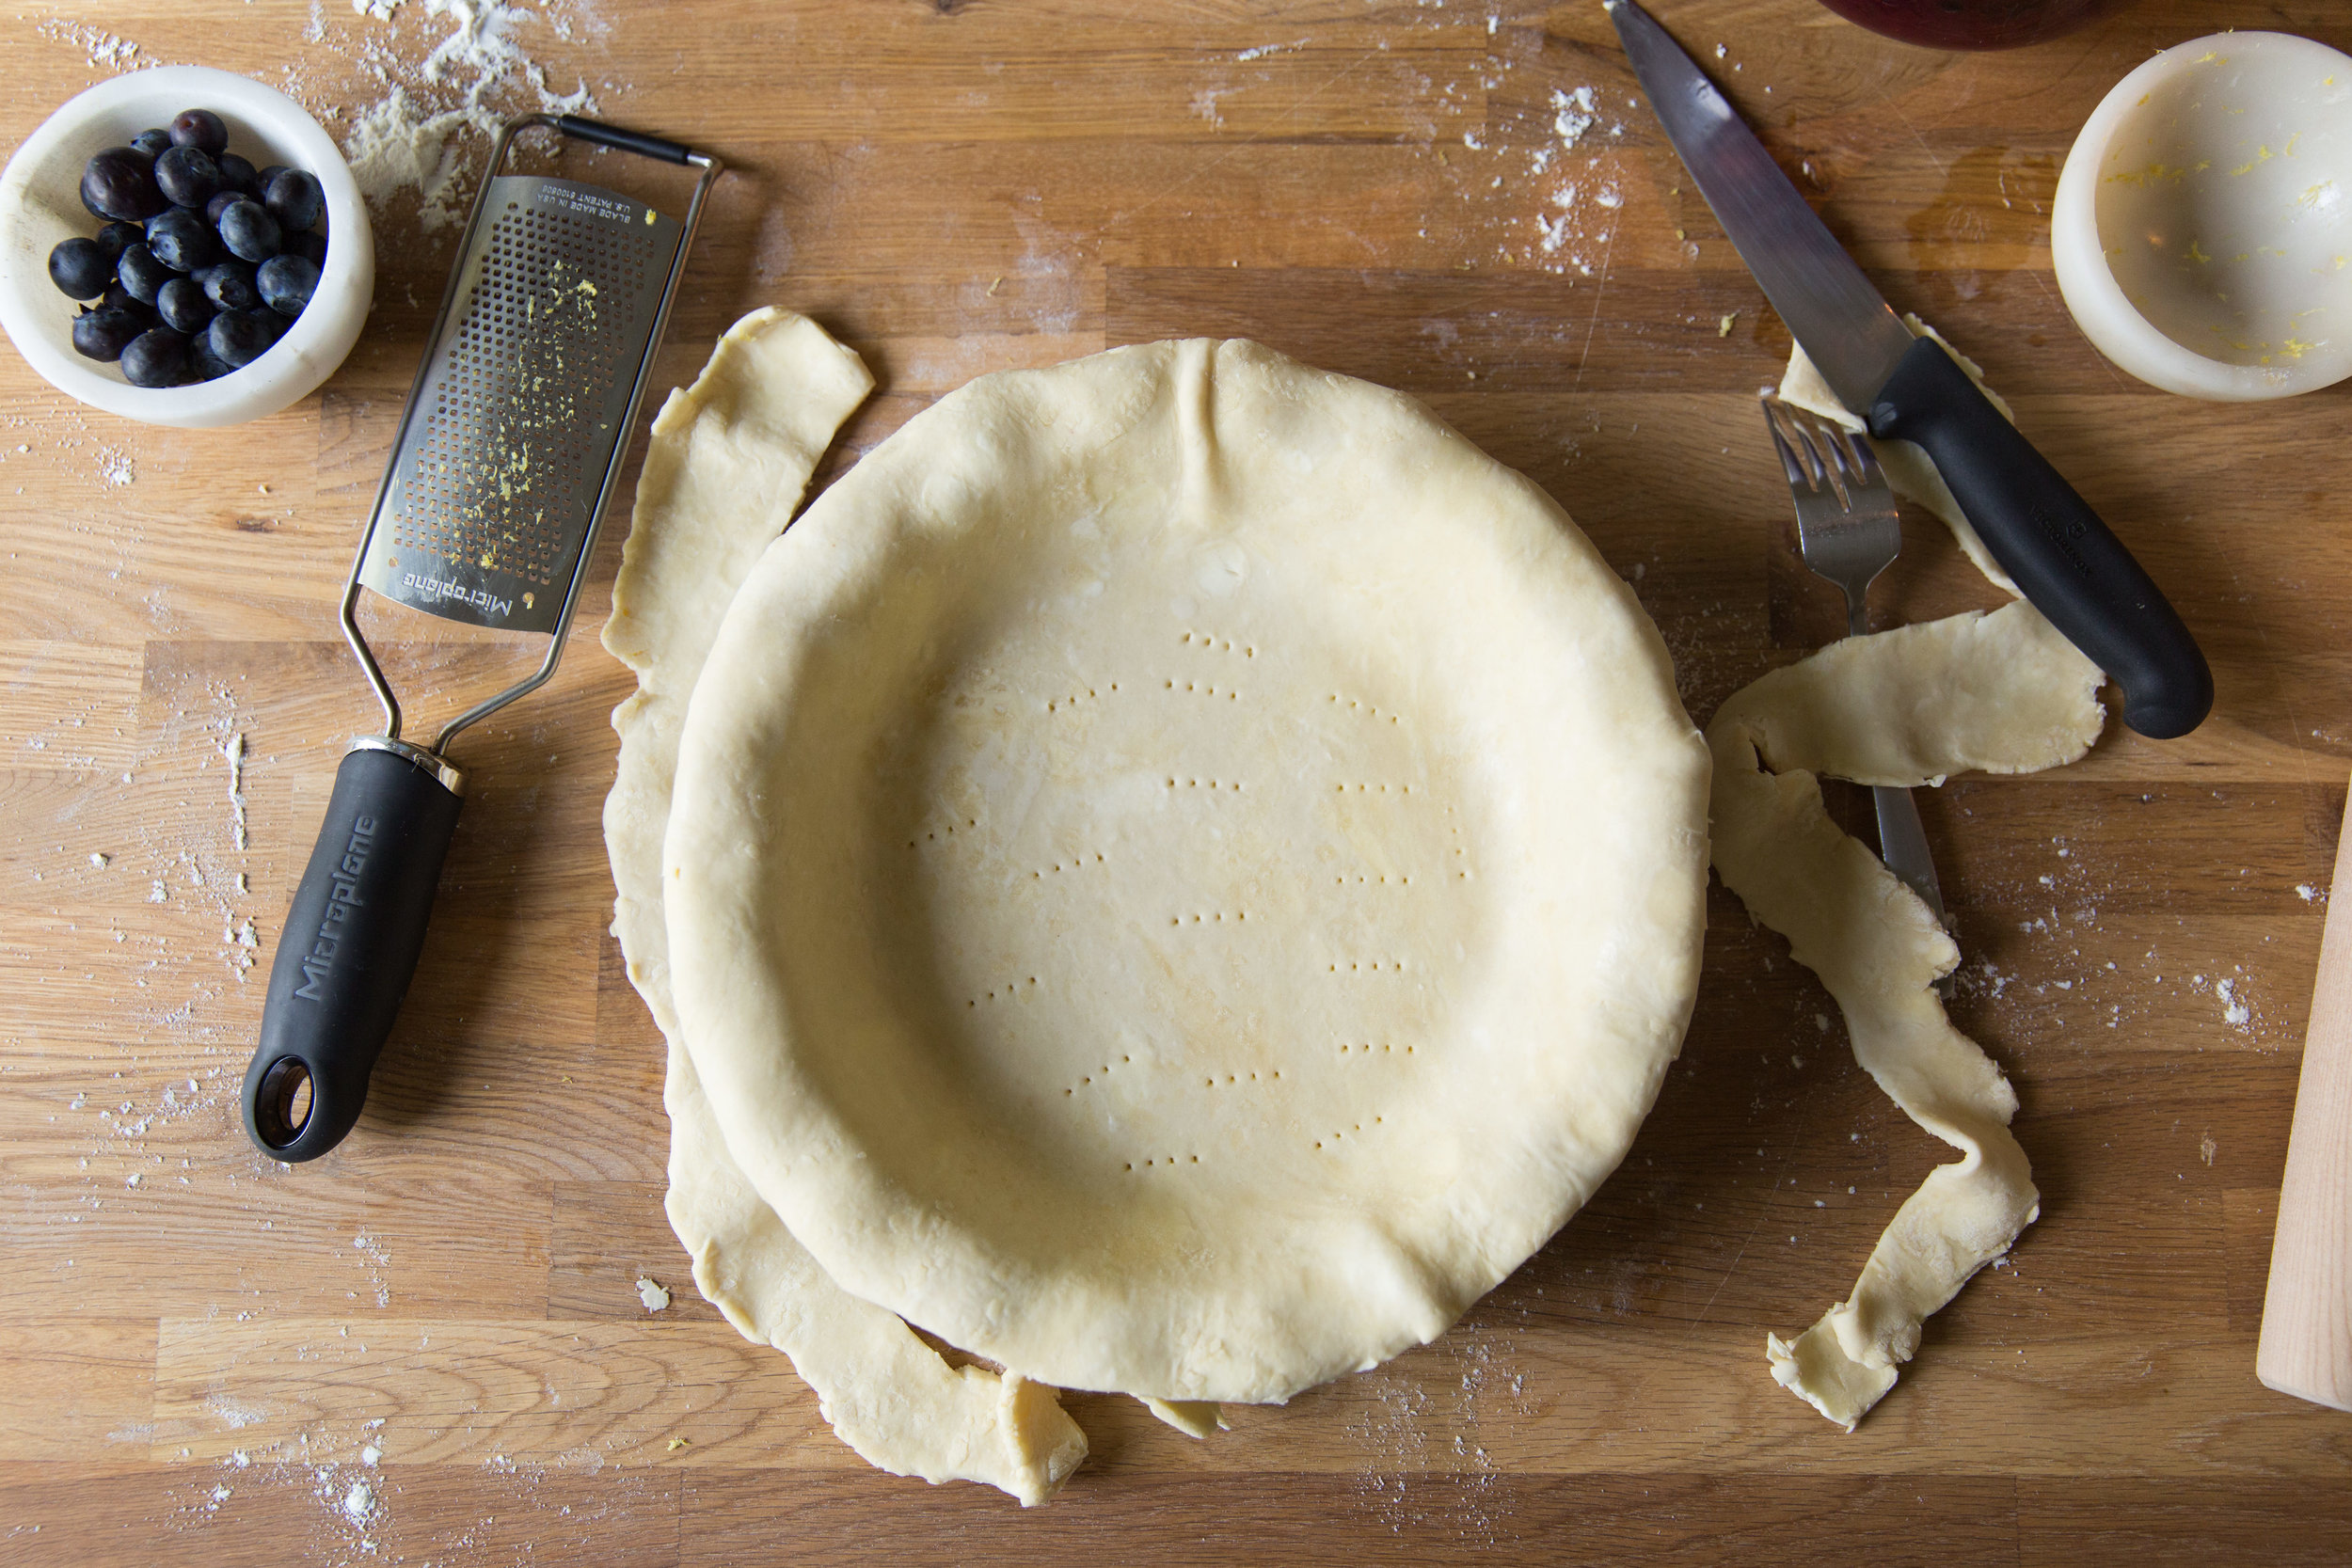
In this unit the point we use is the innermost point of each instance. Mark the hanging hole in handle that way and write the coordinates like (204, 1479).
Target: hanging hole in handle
(281, 1108)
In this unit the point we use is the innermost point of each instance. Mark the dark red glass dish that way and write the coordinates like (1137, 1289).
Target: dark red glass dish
(1972, 23)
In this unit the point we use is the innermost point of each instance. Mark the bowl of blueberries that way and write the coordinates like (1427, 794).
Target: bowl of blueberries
(183, 247)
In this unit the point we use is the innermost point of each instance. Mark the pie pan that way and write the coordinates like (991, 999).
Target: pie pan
(1184, 872)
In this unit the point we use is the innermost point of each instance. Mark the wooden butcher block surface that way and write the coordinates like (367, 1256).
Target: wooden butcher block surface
(200, 1351)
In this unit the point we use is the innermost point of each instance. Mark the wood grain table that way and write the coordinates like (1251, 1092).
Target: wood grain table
(197, 1345)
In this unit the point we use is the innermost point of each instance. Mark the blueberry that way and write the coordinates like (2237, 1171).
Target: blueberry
(182, 305)
(103, 334)
(151, 142)
(156, 359)
(287, 283)
(141, 273)
(119, 297)
(238, 173)
(117, 237)
(295, 199)
(230, 285)
(188, 176)
(182, 240)
(80, 268)
(248, 232)
(267, 173)
(241, 336)
(120, 184)
(200, 129)
(310, 245)
(219, 204)
(202, 362)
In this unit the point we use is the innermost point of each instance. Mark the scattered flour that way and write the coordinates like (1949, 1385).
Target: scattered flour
(105, 51)
(378, 1260)
(233, 751)
(409, 139)
(1574, 112)
(1571, 235)
(1421, 1431)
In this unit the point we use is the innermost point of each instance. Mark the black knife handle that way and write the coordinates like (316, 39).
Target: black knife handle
(2047, 538)
(349, 950)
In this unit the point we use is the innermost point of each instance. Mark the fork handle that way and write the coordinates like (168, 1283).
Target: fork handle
(2047, 538)
(1903, 837)
(1903, 846)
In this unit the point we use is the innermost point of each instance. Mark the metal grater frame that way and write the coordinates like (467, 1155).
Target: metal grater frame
(517, 424)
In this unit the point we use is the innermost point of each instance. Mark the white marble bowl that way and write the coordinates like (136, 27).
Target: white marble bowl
(2202, 232)
(40, 204)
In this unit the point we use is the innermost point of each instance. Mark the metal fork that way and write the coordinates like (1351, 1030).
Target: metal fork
(1847, 527)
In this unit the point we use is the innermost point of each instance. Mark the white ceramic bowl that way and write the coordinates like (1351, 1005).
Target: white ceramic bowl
(2202, 232)
(40, 203)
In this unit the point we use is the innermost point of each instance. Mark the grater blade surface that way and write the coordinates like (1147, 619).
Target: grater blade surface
(495, 485)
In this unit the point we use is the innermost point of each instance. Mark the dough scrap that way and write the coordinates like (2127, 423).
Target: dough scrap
(1909, 469)
(1192, 1418)
(2001, 693)
(728, 460)
(1184, 872)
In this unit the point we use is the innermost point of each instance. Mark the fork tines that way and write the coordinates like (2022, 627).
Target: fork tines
(1814, 451)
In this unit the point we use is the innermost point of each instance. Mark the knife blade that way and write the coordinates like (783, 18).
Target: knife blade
(2049, 539)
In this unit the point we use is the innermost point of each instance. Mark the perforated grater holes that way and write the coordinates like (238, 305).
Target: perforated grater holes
(515, 431)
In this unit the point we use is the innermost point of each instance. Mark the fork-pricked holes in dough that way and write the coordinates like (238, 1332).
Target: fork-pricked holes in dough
(1165, 1162)
(948, 829)
(1084, 860)
(1069, 701)
(1359, 707)
(1098, 1075)
(1005, 992)
(1208, 643)
(1329, 1142)
(1237, 1079)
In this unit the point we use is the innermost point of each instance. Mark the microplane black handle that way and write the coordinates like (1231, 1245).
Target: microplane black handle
(627, 141)
(348, 951)
(2073, 569)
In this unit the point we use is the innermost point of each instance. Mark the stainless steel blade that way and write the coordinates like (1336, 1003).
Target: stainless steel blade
(1847, 329)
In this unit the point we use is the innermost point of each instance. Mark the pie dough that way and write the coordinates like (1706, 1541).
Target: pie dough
(727, 462)
(2003, 693)
(1183, 873)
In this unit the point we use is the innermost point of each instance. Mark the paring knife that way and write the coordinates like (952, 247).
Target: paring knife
(2047, 538)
